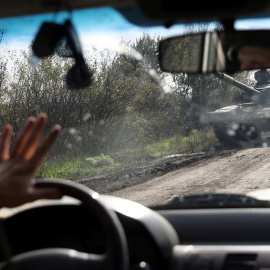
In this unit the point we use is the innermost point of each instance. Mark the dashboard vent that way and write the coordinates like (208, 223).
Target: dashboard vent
(240, 262)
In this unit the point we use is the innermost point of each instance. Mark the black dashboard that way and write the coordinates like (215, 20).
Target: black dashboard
(208, 237)
(235, 226)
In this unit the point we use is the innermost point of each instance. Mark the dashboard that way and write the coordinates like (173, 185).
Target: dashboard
(205, 239)
(235, 226)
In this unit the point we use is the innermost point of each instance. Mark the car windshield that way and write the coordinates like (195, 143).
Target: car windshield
(135, 131)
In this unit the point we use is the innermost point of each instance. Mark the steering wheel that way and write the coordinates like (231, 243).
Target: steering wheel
(115, 257)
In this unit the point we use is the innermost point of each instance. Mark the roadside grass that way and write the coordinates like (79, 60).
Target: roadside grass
(76, 168)
(85, 167)
(196, 141)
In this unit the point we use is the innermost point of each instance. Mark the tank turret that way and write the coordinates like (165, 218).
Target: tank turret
(259, 94)
(244, 124)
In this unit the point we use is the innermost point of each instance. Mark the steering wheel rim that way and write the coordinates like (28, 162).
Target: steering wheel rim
(116, 255)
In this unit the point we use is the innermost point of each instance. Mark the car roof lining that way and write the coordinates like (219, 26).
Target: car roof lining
(29, 7)
(11, 8)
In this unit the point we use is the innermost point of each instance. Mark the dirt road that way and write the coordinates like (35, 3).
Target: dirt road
(159, 181)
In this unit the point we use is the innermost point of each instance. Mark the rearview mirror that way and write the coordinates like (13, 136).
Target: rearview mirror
(216, 52)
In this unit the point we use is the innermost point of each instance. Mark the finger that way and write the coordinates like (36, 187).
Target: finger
(23, 136)
(4, 147)
(31, 145)
(44, 147)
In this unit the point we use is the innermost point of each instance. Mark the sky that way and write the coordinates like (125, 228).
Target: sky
(92, 26)
(96, 23)
(102, 28)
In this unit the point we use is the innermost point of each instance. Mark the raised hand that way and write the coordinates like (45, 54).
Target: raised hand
(19, 165)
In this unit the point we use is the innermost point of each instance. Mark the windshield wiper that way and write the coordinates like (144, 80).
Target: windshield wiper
(213, 200)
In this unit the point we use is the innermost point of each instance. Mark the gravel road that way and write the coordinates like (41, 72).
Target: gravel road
(159, 181)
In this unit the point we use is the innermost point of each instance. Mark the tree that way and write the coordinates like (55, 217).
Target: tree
(125, 105)
(3, 61)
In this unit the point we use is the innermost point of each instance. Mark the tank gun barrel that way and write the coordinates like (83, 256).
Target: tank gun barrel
(244, 87)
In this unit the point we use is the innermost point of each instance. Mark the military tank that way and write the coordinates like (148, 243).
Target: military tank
(244, 124)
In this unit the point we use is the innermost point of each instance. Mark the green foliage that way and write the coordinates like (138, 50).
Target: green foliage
(125, 110)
